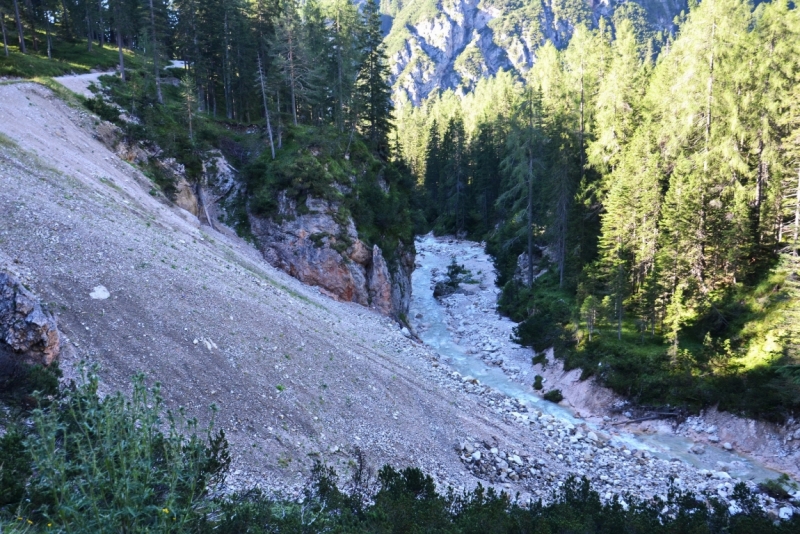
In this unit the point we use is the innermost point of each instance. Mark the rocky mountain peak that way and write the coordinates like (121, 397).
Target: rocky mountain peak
(451, 44)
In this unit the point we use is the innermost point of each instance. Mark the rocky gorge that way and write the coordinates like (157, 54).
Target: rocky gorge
(590, 433)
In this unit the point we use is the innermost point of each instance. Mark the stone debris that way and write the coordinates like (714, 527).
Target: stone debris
(99, 293)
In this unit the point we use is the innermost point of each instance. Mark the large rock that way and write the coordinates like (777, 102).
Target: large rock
(317, 250)
(29, 332)
(379, 283)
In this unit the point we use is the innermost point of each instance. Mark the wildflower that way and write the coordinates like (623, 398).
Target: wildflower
(30, 522)
(165, 510)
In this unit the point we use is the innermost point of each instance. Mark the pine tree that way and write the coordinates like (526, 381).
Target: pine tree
(372, 88)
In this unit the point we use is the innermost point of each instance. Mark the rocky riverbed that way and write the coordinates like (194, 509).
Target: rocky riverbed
(474, 350)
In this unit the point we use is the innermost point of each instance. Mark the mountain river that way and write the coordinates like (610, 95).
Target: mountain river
(474, 340)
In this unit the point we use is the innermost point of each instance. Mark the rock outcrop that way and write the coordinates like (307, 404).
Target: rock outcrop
(28, 331)
(318, 248)
(454, 43)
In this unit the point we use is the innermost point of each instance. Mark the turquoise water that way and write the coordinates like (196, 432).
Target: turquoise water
(438, 337)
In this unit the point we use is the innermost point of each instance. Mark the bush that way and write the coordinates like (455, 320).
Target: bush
(554, 395)
(104, 465)
(19, 382)
(537, 383)
(102, 109)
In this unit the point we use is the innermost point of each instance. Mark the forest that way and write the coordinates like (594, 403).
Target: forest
(658, 177)
(294, 94)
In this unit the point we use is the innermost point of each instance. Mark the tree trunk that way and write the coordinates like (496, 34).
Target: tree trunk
(65, 25)
(530, 192)
(292, 78)
(102, 30)
(20, 33)
(121, 55)
(796, 213)
(226, 82)
(709, 98)
(340, 104)
(582, 125)
(159, 96)
(5, 38)
(88, 29)
(266, 109)
(47, 30)
(280, 122)
(29, 5)
(530, 215)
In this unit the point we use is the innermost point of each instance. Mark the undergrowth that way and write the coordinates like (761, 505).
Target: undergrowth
(85, 464)
(739, 355)
(68, 57)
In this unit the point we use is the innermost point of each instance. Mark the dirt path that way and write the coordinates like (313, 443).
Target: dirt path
(79, 83)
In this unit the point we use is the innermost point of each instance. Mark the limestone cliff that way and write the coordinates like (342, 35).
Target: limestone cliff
(318, 248)
(451, 44)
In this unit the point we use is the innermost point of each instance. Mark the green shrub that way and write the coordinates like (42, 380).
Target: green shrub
(776, 487)
(19, 382)
(102, 109)
(104, 465)
(15, 467)
(537, 383)
(554, 395)
(107, 465)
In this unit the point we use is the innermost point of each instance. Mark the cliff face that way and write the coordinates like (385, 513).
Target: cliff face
(451, 44)
(316, 247)
(29, 333)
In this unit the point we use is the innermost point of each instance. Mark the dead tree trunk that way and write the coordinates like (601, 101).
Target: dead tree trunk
(159, 96)
(19, 28)
(266, 108)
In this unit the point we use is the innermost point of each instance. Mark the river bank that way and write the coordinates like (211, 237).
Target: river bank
(581, 435)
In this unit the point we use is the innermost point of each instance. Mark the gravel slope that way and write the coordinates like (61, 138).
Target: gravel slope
(295, 375)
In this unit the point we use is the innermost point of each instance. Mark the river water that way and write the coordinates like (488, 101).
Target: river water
(460, 328)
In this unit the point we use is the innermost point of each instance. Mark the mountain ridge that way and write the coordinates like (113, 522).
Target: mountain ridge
(438, 45)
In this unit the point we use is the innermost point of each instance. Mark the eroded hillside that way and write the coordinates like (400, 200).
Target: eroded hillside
(295, 375)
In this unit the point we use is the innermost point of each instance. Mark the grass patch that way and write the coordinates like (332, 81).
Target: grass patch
(68, 57)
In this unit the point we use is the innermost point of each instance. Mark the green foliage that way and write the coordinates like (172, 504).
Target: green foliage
(68, 57)
(776, 487)
(662, 192)
(105, 465)
(554, 395)
(102, 109)
(122, 465)
(312, 165)
(16, 467)
(20, 383)
(537, 383)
